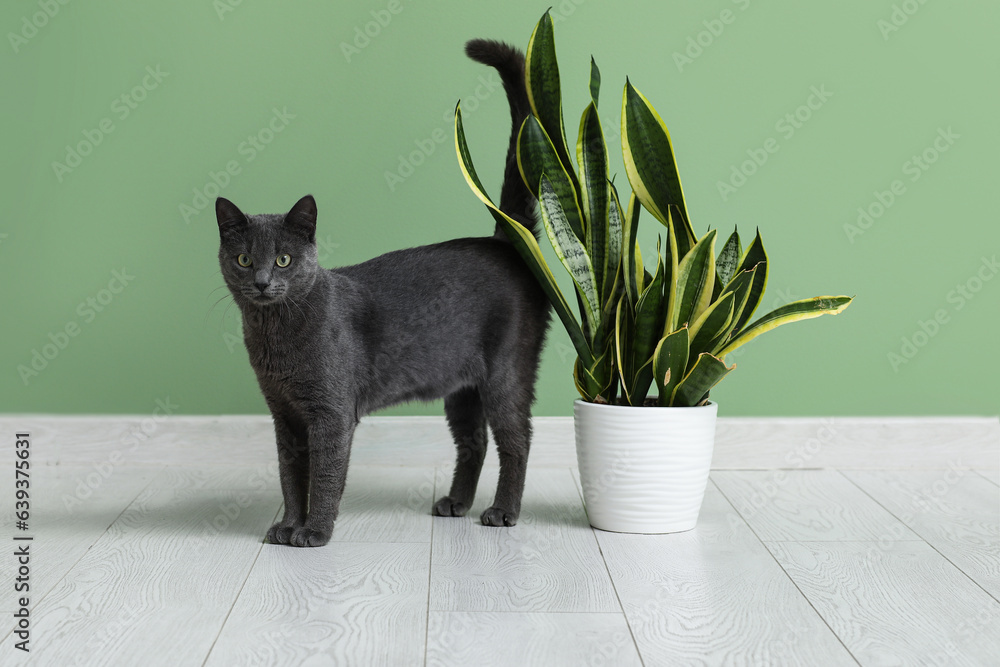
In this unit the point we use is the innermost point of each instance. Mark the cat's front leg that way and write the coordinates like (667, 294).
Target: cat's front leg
(293, 470)
(329, 451)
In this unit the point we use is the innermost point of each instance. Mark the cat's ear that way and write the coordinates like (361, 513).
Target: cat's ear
(302, 217)
(228, 215)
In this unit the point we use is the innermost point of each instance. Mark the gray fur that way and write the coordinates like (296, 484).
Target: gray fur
(462, 320)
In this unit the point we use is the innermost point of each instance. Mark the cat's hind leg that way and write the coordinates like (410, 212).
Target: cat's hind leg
(467, 421)
(508, 410)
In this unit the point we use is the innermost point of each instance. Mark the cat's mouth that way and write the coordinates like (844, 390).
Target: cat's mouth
(263, 299)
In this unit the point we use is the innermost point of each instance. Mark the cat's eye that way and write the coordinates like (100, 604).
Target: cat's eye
(283, 260)
(244, 260)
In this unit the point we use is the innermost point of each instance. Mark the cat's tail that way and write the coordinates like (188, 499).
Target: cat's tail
(515, 198)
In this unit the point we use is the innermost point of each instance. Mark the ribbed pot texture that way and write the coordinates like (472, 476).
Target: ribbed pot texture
(644, 470)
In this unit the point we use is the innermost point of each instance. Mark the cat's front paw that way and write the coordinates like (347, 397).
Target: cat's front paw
(498, 516)
(309, 537)
(280, 533)
(448, 506)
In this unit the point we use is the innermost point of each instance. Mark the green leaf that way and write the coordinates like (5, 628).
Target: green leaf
(754, 254)
(595, 81)
(623, 344)
(613, 257)
(596, 380)
(741, 287)
(682, 229)
(631, 266)
(541, 77)
(592, 156)
(646, 329)
(670, 288)
(669, 361)
(649, 156)
(570, 251)
(805, 309)
(705, 374)
(729, 258)
(754, 296)
(537, 156)
(695, 280)
(712, 322)
(525, 244)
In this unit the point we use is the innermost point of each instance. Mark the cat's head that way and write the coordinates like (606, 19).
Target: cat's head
(266, 259)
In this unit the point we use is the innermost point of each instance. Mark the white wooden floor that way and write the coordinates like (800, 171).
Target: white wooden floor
(821, 542)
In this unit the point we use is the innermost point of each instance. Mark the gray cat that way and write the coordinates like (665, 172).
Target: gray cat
(463, 320)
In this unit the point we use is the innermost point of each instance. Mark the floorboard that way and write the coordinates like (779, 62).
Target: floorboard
(71, 507)
(386, 504)
(828, 541)
(348, 603)
(156, 587)
(715, 596)
(548, 562)
(991, 474)
(516, 639)
(897, 603)
(955, 511)
(807, 505)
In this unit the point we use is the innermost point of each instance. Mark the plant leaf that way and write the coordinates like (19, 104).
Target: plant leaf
(525, 244)
(705, 374)
(728, 259)
(623, 320)
(712, 323)
(629, 233)
(793, 312)
(541, 78)
(754, 254)
(695, 280)
(741, 287)
(613, 257)
(649, 156)
(669, 361)
(754, 296)
(646, 331)
(682, 228)
(537, 156)
(592, 157)
(570, 251)
(595, 81)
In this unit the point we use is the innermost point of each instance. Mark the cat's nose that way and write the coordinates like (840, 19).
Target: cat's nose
(261, 283)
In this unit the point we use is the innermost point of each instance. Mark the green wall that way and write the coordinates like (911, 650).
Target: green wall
(349, 113)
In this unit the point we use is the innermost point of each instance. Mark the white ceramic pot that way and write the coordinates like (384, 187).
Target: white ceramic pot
(644, 469)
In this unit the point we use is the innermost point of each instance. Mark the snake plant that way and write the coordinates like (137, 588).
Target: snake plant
(673, 327)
